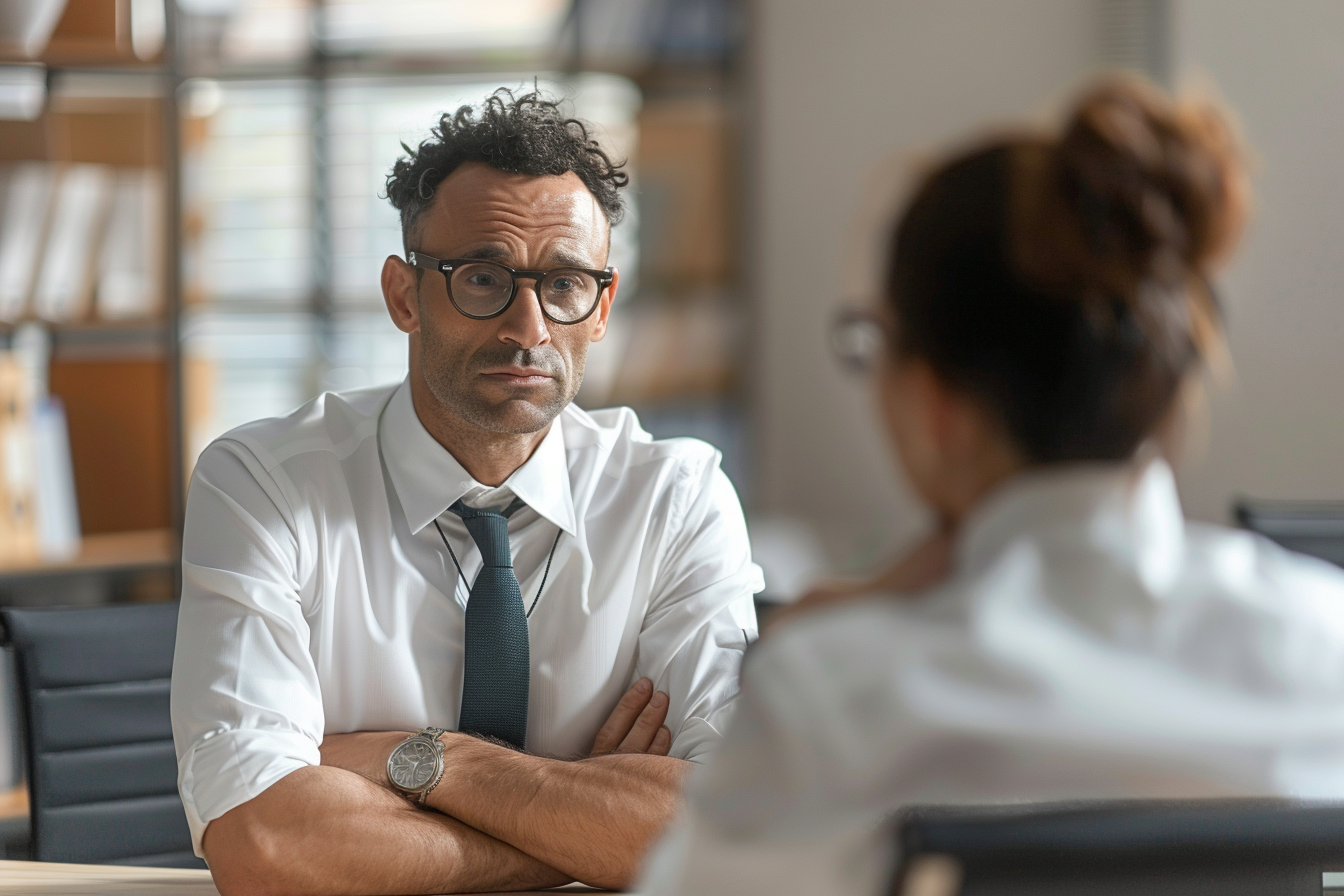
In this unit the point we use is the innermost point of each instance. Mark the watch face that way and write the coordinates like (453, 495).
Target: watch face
(412, 765)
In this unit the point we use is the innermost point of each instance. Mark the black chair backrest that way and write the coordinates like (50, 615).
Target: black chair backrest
(1308, 527)
(1157, 848)
(102, 773)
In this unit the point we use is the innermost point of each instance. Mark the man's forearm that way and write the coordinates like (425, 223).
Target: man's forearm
(592, 819)
(324, 830)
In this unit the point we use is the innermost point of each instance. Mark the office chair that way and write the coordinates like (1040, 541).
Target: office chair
(1308, 527)
(102, 773)
(1154, 848)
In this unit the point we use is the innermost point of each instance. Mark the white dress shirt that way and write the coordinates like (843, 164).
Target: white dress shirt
(318, 596)
(1090, 643)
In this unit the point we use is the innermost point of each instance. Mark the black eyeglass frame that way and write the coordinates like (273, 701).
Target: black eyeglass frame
(445, 266)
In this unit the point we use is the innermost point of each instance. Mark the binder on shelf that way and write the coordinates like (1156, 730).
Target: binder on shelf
(131, 261)
(23, 92)
(26, 26)
(18, 521)
(37, 478)
(27, 194)
(107, 31)
(56, 513)
(65, 280)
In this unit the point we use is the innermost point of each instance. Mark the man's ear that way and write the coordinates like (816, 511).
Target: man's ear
(401, 292)
(604, 308)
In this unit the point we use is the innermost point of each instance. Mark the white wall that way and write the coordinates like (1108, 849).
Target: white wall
(843, 86)
(1278, 431)
(846, 86)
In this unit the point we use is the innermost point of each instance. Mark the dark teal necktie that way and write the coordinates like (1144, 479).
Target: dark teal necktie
(496, 668)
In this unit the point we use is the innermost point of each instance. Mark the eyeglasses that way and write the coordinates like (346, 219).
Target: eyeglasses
(481, 290)
(858, 338)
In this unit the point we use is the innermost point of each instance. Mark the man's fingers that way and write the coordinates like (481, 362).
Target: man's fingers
(646, 726)
(662, 742)
(623, 717)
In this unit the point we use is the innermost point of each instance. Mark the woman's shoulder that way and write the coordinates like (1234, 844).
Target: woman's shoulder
(1227, 554)
(1243, 571)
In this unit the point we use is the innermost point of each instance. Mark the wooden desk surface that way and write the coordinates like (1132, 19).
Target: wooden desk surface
(52, 879)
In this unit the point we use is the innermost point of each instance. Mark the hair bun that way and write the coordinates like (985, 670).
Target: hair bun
(1157, 182)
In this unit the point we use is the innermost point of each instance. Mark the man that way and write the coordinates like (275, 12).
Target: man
(365, 571)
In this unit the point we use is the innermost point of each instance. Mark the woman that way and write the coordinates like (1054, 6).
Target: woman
(1067, 634)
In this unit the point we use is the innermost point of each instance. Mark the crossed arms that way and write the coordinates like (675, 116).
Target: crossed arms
(498, 820)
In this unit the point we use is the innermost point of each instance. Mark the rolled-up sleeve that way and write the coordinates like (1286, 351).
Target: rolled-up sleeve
(701, 616)
(246, 705)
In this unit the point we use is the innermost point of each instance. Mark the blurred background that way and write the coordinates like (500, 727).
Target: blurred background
(191, 230)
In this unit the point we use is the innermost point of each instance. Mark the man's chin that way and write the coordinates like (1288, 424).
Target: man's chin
(518, 415)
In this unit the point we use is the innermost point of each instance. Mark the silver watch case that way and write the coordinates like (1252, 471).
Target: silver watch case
(416, 765)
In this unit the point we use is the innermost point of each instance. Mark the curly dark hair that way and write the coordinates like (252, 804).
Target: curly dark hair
(527, 134)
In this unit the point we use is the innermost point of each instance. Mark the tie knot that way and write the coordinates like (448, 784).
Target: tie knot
(490, 530)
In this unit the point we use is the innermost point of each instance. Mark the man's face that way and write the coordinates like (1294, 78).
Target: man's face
(512, 373)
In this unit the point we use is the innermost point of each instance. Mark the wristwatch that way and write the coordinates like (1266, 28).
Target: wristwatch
(416, 765)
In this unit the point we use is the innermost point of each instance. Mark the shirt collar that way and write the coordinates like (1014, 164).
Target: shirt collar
(1128, 511)
(428, 479)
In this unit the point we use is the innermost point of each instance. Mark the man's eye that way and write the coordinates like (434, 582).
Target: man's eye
(483, 280)
(562, 284)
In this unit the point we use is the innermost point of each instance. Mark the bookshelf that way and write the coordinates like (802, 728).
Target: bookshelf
(93, 279)
(105, 140)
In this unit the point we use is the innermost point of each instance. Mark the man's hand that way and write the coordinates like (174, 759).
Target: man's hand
(636, 724)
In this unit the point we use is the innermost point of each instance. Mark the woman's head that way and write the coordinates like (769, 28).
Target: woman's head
(1049, 295)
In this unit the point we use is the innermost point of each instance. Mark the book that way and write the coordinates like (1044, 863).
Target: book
(55, 510)
(18, 522)
(27, 191)
(130, 266)
(23, 92)
(26, 26)
(38, 468)
(65, 279)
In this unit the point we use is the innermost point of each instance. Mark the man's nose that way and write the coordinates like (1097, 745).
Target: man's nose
(524, 324)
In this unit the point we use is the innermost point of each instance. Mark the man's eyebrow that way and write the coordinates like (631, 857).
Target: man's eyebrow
(487, 253)
(496, 252)
(569, 259)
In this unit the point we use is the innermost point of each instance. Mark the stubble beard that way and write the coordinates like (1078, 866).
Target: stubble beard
(456, 385)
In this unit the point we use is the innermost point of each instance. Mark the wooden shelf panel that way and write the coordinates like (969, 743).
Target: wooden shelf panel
(109, 552)
(14, 803)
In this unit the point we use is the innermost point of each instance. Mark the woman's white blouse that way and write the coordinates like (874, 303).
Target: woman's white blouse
(1090, 644)
(318, 597)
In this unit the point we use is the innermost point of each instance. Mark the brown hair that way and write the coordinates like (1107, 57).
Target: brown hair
(1064, 280)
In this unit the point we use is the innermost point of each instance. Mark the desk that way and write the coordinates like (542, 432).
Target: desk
(52, 879)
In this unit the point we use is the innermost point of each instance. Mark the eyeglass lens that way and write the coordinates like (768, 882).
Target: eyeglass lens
(857, 341)
(482, 289)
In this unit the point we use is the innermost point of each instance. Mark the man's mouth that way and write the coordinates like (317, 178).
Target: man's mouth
(518, 376)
